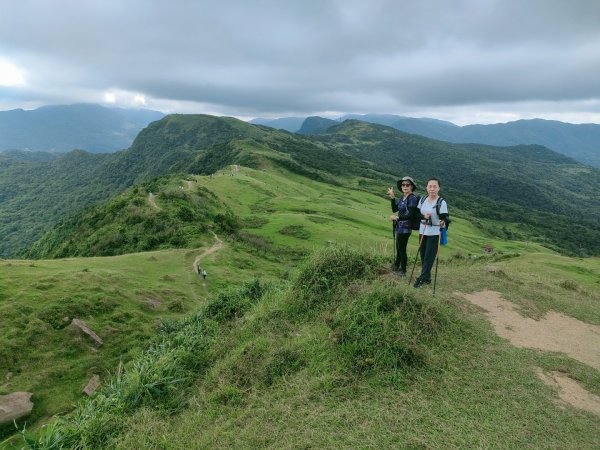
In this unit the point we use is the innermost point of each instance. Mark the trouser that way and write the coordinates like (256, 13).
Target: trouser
(401, 256)
(428, 250)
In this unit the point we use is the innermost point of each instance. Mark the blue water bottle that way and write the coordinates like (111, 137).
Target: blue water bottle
(444, 238)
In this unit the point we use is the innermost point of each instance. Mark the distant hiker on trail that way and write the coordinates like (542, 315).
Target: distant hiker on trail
(434, 214)
(407, 213)
(199, 269)
(204, 274)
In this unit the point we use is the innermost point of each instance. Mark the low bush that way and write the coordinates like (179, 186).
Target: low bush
(382, 328)
(234, 303)
(323, 274)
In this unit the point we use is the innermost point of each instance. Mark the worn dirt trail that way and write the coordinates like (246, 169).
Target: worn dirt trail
(152, 201)
(555, 332)
(215, 247)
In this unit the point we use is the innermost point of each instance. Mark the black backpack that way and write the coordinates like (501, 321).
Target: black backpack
(416, 222)
(438, 203)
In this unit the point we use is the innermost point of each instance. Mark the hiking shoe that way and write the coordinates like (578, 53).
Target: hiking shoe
(401, 273)
(418, 284)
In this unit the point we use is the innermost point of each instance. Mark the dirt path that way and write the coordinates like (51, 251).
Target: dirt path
(152, 201)
(555, 332)
(215, 247)
(569, 391)
(212, 249)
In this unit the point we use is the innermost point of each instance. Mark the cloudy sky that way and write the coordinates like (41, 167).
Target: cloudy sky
(467, 61)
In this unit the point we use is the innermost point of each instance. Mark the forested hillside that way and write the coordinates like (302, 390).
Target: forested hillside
(578, 141)
(529, 189)
(529, 192)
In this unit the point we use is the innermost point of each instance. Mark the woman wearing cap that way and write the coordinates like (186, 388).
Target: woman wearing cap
(407, 210)
(434, 218)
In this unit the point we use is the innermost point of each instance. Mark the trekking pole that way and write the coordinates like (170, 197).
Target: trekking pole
(417, 255)
(394, 238)
(437, 261)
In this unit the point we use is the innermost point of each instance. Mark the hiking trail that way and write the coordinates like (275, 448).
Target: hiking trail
(218, 244)
(152, 201)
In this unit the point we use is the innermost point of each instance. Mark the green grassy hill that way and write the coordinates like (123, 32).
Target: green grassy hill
(301, 336)
(534, 192)
(276, 346)
(342, 354)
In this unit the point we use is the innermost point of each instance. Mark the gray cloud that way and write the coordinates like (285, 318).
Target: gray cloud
(268, 57)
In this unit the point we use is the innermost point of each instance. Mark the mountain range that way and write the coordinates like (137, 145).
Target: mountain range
(508, 191)
(579, 141)
(279, 347)
(62, 128)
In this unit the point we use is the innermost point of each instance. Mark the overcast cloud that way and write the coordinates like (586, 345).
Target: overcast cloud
(467, 61)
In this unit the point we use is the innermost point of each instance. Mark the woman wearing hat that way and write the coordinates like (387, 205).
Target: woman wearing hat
(407, 211)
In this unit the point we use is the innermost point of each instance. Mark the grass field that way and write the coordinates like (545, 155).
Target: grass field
(299, 367)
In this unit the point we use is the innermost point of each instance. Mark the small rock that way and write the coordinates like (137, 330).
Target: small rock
(14, 406)
(87, 330)
(91, 386)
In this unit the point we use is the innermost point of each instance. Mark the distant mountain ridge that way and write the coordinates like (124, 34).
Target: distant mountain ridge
(579, 141)
(509, 191)
(62, 128)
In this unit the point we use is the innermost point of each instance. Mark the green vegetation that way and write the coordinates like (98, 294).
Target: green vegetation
(352, 358)
(134, 221)
(546, 197)
(533, 192)
(300, 337)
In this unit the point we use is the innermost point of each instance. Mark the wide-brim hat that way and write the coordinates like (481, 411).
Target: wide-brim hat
(407, 179)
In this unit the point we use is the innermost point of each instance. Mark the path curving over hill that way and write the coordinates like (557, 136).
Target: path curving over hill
(214, 248)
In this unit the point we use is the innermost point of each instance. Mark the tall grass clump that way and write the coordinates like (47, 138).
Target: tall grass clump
(323, 275)
(157, 379)
(377, 325)
(235, 302)
(381, 329)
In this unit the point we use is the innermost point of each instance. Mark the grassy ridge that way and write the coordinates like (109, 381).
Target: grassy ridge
(271, 353)
(281, 216)
(353, 359)
(536, 191)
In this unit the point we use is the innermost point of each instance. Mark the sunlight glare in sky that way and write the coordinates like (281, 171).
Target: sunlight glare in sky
(109, 97)
(139, 100)
(10, 74)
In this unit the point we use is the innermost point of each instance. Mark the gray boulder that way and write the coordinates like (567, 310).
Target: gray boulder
(14, 406)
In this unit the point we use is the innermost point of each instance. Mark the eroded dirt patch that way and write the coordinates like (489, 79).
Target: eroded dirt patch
(554, 332)
(571, 392)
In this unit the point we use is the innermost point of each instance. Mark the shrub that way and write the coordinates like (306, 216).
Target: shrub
(330, 269)
(235, 302)
(227, 222)
(385, 329)
(297, 231)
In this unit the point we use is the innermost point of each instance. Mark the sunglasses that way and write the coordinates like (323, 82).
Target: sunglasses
(406, 184)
